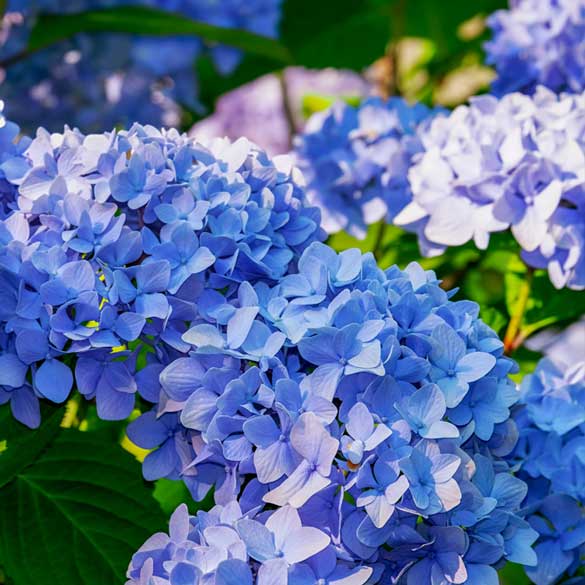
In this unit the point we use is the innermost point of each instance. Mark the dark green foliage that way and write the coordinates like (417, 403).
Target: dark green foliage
(76, 512)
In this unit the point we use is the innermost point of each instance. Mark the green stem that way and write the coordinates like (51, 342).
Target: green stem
(513, 339)
(287, 107)
(379, 247)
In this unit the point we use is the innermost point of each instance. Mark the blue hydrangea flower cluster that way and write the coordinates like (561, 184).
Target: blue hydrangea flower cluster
(538, 42)
(513, 163)
(352, 424)
(549, 456)
(99, 81)
(356, 161)
(106, 242)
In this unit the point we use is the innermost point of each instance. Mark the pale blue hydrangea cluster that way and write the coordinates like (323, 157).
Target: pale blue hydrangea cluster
(538, 42)
(98, 81)
(550, 455)
(351, 421)
(356, 161)
(106, 242)
(513, 163)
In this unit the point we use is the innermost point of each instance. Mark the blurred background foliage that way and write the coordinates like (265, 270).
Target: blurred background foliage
(78, 491)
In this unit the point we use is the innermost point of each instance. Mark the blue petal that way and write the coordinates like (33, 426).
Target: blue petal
(239, 326)
(261, 430)
(184, 574)
(129, 326)
(259, 540)
(161, 463)
(25, 407)
(12, 370)
(233, 572)
(54, 380)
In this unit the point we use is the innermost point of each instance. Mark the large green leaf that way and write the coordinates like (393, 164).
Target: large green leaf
(335, 33)
(77, 514)
(52, 28)
(21, 445)
(317, 34)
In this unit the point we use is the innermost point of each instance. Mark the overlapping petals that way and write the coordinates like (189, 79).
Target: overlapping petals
(362, 404)
(512, 163)
(538, 42)
(356, 161)
(109, 240)
(549, 454)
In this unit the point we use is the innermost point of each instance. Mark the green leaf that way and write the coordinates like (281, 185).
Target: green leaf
(76, 515)
(343, 241)
(316, 35)
(335, 33)
(313, 103)
(493, 318)
(21, 445)
(546, 304)
(141, 20)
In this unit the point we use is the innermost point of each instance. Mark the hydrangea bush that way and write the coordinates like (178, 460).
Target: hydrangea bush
(305, 413)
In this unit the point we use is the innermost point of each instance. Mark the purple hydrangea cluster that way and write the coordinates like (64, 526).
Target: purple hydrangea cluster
(99, 81)
(256, 110)
(550, 455)
(352, 424)
(513, 163)
(538, 42)
(108, 240)
(356, 161)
